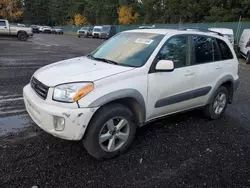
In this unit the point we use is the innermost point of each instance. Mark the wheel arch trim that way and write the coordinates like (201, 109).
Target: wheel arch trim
(121, 94)
(224, 79)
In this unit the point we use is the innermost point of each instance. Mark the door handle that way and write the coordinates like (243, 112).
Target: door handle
(189, 73)
(218, 67)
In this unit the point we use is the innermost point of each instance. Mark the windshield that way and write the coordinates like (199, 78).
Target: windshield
(129, 49)
(97, 29)
(106, 29)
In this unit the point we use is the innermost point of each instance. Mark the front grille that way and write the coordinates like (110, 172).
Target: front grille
(39, 88)
(82, 32)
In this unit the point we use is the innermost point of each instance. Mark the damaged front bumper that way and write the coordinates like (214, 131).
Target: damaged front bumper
(65, 123)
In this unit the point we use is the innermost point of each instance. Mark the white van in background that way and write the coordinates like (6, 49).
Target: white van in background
(244, 45)
(97, 30)
(228, 33)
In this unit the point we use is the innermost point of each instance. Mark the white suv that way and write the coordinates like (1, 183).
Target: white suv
(133, 78)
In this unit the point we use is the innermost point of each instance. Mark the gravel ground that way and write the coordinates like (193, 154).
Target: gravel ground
(180, 151)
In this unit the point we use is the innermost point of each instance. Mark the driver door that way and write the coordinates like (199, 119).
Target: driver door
(170, 92)
(3, 28)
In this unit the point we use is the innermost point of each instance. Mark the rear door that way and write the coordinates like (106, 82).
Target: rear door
(3, 28)
(227, 63)
(206, 66)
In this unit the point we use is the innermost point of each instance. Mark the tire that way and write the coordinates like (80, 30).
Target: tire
(98, 126)
(22, 36)
(248, 58)
(210, 110)
(79, 36)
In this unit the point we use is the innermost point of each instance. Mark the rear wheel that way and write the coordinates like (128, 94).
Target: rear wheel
(217, 107)
(248, 58)
(22, 36)
(111, 132)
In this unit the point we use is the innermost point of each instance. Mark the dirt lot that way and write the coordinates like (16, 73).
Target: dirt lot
(180, 151)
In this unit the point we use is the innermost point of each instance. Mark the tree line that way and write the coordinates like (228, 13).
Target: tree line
(95, 12)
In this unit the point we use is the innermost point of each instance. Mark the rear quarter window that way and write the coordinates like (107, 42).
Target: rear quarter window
(225, 50)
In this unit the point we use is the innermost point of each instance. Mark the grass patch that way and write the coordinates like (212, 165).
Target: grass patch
(242, 61)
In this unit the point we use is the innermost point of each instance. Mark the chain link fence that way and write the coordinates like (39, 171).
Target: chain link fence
(237, 27)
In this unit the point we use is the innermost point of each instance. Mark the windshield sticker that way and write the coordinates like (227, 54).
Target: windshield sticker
(143, 41)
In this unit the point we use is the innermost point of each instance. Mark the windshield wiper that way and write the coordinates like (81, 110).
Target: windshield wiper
(102, 59)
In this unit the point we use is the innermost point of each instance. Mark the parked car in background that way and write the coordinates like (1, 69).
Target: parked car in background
(85, 32)
(21, 25)
(35, 28)
(108, 31)
(244, 45)
(97, 30)
(57, 30)
(45, 29)
(40, 28)
(104, 97)
(228, 33)
(7, 30)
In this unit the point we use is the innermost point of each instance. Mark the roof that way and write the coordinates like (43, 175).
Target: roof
(176, 31)
(222, 30)
(155, 31)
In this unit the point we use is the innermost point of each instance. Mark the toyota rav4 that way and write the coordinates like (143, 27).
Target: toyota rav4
(132, 79)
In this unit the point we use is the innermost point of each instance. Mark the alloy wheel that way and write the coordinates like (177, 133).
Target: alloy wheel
(114, 134)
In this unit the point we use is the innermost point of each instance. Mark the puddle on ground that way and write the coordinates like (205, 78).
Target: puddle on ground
(14, 124)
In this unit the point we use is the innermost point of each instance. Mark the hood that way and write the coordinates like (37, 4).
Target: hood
(77, 70)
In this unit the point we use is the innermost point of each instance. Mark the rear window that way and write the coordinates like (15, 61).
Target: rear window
(225, 50)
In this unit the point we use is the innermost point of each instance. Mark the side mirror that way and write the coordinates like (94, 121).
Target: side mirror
(165, 65)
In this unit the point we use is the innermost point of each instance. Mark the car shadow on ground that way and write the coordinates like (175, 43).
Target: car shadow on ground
(15, 40)
(168, 151)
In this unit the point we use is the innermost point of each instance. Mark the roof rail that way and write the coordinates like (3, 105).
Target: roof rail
(202, 30)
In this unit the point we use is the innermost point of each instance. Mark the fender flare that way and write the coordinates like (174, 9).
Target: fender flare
(121, 94)
(224, 79)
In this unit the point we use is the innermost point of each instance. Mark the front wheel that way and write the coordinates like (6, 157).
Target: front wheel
(111, 132)
(218, 105)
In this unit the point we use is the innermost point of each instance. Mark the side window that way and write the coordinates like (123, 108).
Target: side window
(2, 23)
(225, 50)
(216, 50)
(175, 49)
(203, 49)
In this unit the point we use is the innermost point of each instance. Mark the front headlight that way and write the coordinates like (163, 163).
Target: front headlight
(72, 92)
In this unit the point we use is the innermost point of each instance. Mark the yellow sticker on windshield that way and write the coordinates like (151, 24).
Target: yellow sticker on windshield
(143, 41)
